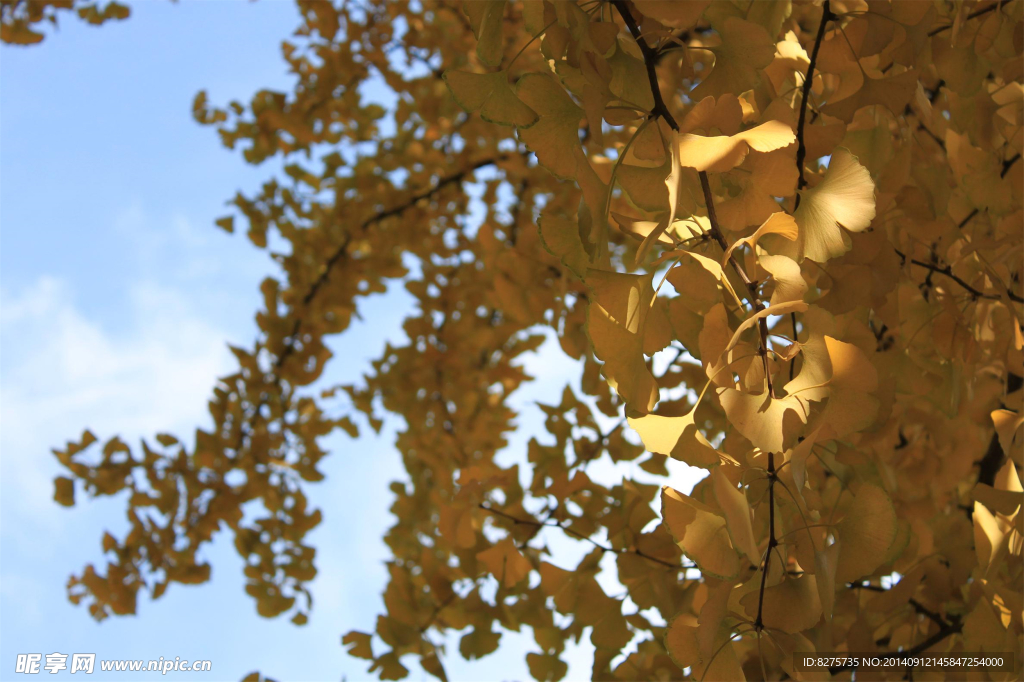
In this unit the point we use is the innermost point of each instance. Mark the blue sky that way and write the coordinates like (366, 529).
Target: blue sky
(117, 299)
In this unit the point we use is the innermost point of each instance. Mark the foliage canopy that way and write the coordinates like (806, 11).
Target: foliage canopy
(783, 240)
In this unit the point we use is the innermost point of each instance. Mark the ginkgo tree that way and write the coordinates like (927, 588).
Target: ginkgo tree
(783, 241)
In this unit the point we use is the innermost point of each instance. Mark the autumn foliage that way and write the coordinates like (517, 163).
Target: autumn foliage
(782, 240)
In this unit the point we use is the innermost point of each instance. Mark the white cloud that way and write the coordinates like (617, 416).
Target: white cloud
(62, 372)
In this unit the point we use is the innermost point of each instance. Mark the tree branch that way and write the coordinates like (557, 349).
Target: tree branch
(755, 299)
(950, 629)
(801, 149)
(650, 60)
(342, 249)
(772, 542)
(569, 531)
(948, 272)
(972, 15)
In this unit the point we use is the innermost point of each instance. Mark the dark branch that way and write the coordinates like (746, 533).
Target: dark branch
(972, 15)
(1006, 165)
(772, 542)
(342, 249)
(755, 299)
(948, 272)
(989, 465)
(950, 629)
(650, 60)
(569, 531)
(801, 149)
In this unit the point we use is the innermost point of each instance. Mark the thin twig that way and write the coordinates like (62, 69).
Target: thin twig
(972, 15)
(569, 531)
(650, 61)
(948, 272)
(801, 149)
(772, 542)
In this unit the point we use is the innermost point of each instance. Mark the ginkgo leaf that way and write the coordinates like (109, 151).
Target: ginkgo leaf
(487, 19)
(826, 563)
(777, 309)
(505, 562)
(672, 185)
(769, 423)
(722, 113)
(721, 153)
(1005, 496)
(673, 13)
(865, 533)
(786, 276)
(761, 179)
(712, 614)
(700, 533)
(677, 437)
(737, 515)
(637, 228)
(713, 342)
(491, 94)
(746, 49)
(791, 606)
(561, 238)
(781, 224)
(893, 92)
(358, 644)
(851, 407)
(843, 200)
(683, 646)
(554, 137)
(1010, 430)
(615, 324)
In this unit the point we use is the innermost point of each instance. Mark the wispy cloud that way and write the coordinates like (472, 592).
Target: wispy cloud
(62, 372)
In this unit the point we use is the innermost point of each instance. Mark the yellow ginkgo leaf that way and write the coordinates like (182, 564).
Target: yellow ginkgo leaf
(1006, 496)
(893, 93)
(825, 566)
(700, 533)
(491, 94)
(737, 515)
(843, 200)
(771, 424)
(615, 323)
(865, 533)
(683, 645)
(677, 437)
(786, 276)
(487, 20)
(722, 113)
(746, 49)
(1010, 430)
(673, 13)
(851, 407)
(777, 309)
(989, 536)
(561, 237)
(781, 224)
(723, 153)
(505, 562)
(791, 606)
(554, 137)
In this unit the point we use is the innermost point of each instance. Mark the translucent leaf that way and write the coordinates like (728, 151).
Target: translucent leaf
(721, 153)
(700, 533)
(843, 200)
